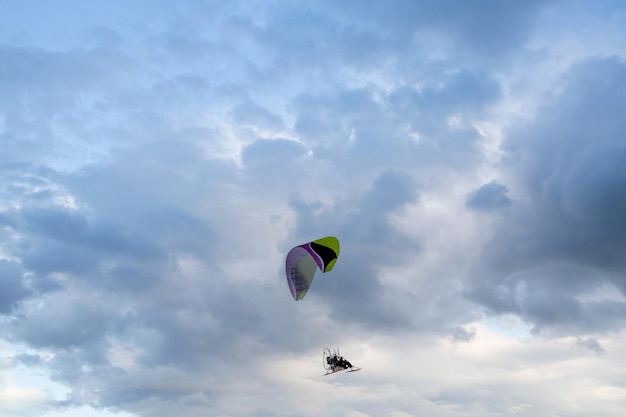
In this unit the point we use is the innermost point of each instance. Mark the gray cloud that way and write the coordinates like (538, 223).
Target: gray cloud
(12, 288)
(461, 334)
(567, 239)
(488, 197)
(361, 222)
(591, 344)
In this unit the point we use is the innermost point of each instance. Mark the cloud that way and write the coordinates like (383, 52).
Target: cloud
(264, 159)
(486, 27)
(12, 288)
(159, 162)
(591, 344)
(361, 222)
(461, 334)
(488, 197)
(255, 115)
(566, 239)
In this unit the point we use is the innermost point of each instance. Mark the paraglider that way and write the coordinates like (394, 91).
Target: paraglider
(300, 266)
(303, 260)
(334, 362)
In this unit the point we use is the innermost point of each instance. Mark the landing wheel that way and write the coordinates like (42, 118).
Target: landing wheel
(325, 356)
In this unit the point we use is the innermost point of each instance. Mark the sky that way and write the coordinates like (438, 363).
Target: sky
(159, 159)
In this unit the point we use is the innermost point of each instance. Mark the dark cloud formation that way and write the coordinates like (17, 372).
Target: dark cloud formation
(591, 344)
(567, 239)
(461, 334)
(488, 197)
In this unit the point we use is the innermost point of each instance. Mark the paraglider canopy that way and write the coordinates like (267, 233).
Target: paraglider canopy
(303, 260)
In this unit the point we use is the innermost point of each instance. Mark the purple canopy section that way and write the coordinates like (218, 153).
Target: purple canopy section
(300, 266)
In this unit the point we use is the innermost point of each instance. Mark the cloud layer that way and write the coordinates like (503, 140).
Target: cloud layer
(159, 161)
